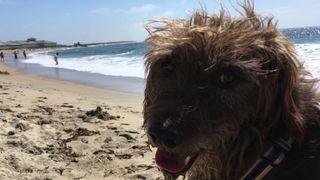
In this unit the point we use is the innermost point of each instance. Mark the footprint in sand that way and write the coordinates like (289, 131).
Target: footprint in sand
(6, 110)
(21, 126)
(66, 105)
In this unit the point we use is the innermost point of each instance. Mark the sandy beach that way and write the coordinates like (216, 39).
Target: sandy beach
(54, 129)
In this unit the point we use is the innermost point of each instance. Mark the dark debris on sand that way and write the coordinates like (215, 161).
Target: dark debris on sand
(97, 113)
(81, 132)
(71, 144)
(4, 72)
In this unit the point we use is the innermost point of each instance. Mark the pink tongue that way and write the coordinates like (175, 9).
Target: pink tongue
(169, 162)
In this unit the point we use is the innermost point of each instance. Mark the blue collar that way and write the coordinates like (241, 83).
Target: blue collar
(273, 157)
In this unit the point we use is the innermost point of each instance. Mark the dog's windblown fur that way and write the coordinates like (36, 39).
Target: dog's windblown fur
(220, 90)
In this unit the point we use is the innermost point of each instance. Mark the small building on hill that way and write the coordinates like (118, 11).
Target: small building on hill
(30, 43)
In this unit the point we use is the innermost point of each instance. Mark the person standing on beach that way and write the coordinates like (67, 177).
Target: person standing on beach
(24, 54)
(1, 56)
(15, 55)
(56, 58)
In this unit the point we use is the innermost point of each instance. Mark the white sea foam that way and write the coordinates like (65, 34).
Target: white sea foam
(115, 65)
(125, 64)
(309, 54)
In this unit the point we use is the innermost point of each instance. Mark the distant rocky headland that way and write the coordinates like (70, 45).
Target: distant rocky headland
(33, 43)
(78, 44)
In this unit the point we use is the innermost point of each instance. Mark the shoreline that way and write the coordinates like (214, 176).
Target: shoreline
(115, 83)
(124, 84)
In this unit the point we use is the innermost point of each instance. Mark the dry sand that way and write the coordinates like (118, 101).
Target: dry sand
(53, 129)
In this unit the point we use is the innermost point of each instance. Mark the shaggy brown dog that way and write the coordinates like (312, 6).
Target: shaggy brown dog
(221, 92)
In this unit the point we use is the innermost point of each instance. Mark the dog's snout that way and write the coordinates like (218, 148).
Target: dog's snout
(166, 137)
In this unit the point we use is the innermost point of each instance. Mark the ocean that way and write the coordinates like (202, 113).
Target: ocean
(115, 60)
(127, 59)
(307, 44)
(120, 67)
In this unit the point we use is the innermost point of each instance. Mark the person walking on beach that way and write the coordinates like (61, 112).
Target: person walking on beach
(56, 58)
(15, 55)
(1, 56)
(24, 54)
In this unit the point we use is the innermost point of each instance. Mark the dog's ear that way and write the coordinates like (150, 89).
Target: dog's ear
(289, 82)
(147, 95)
(149, 90)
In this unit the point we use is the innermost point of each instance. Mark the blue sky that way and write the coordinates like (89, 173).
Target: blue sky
(69, 21)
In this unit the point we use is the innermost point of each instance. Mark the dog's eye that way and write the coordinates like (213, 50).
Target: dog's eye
(168, 70)
(226, 79)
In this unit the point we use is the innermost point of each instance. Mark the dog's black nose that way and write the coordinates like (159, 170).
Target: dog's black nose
(166, 137)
